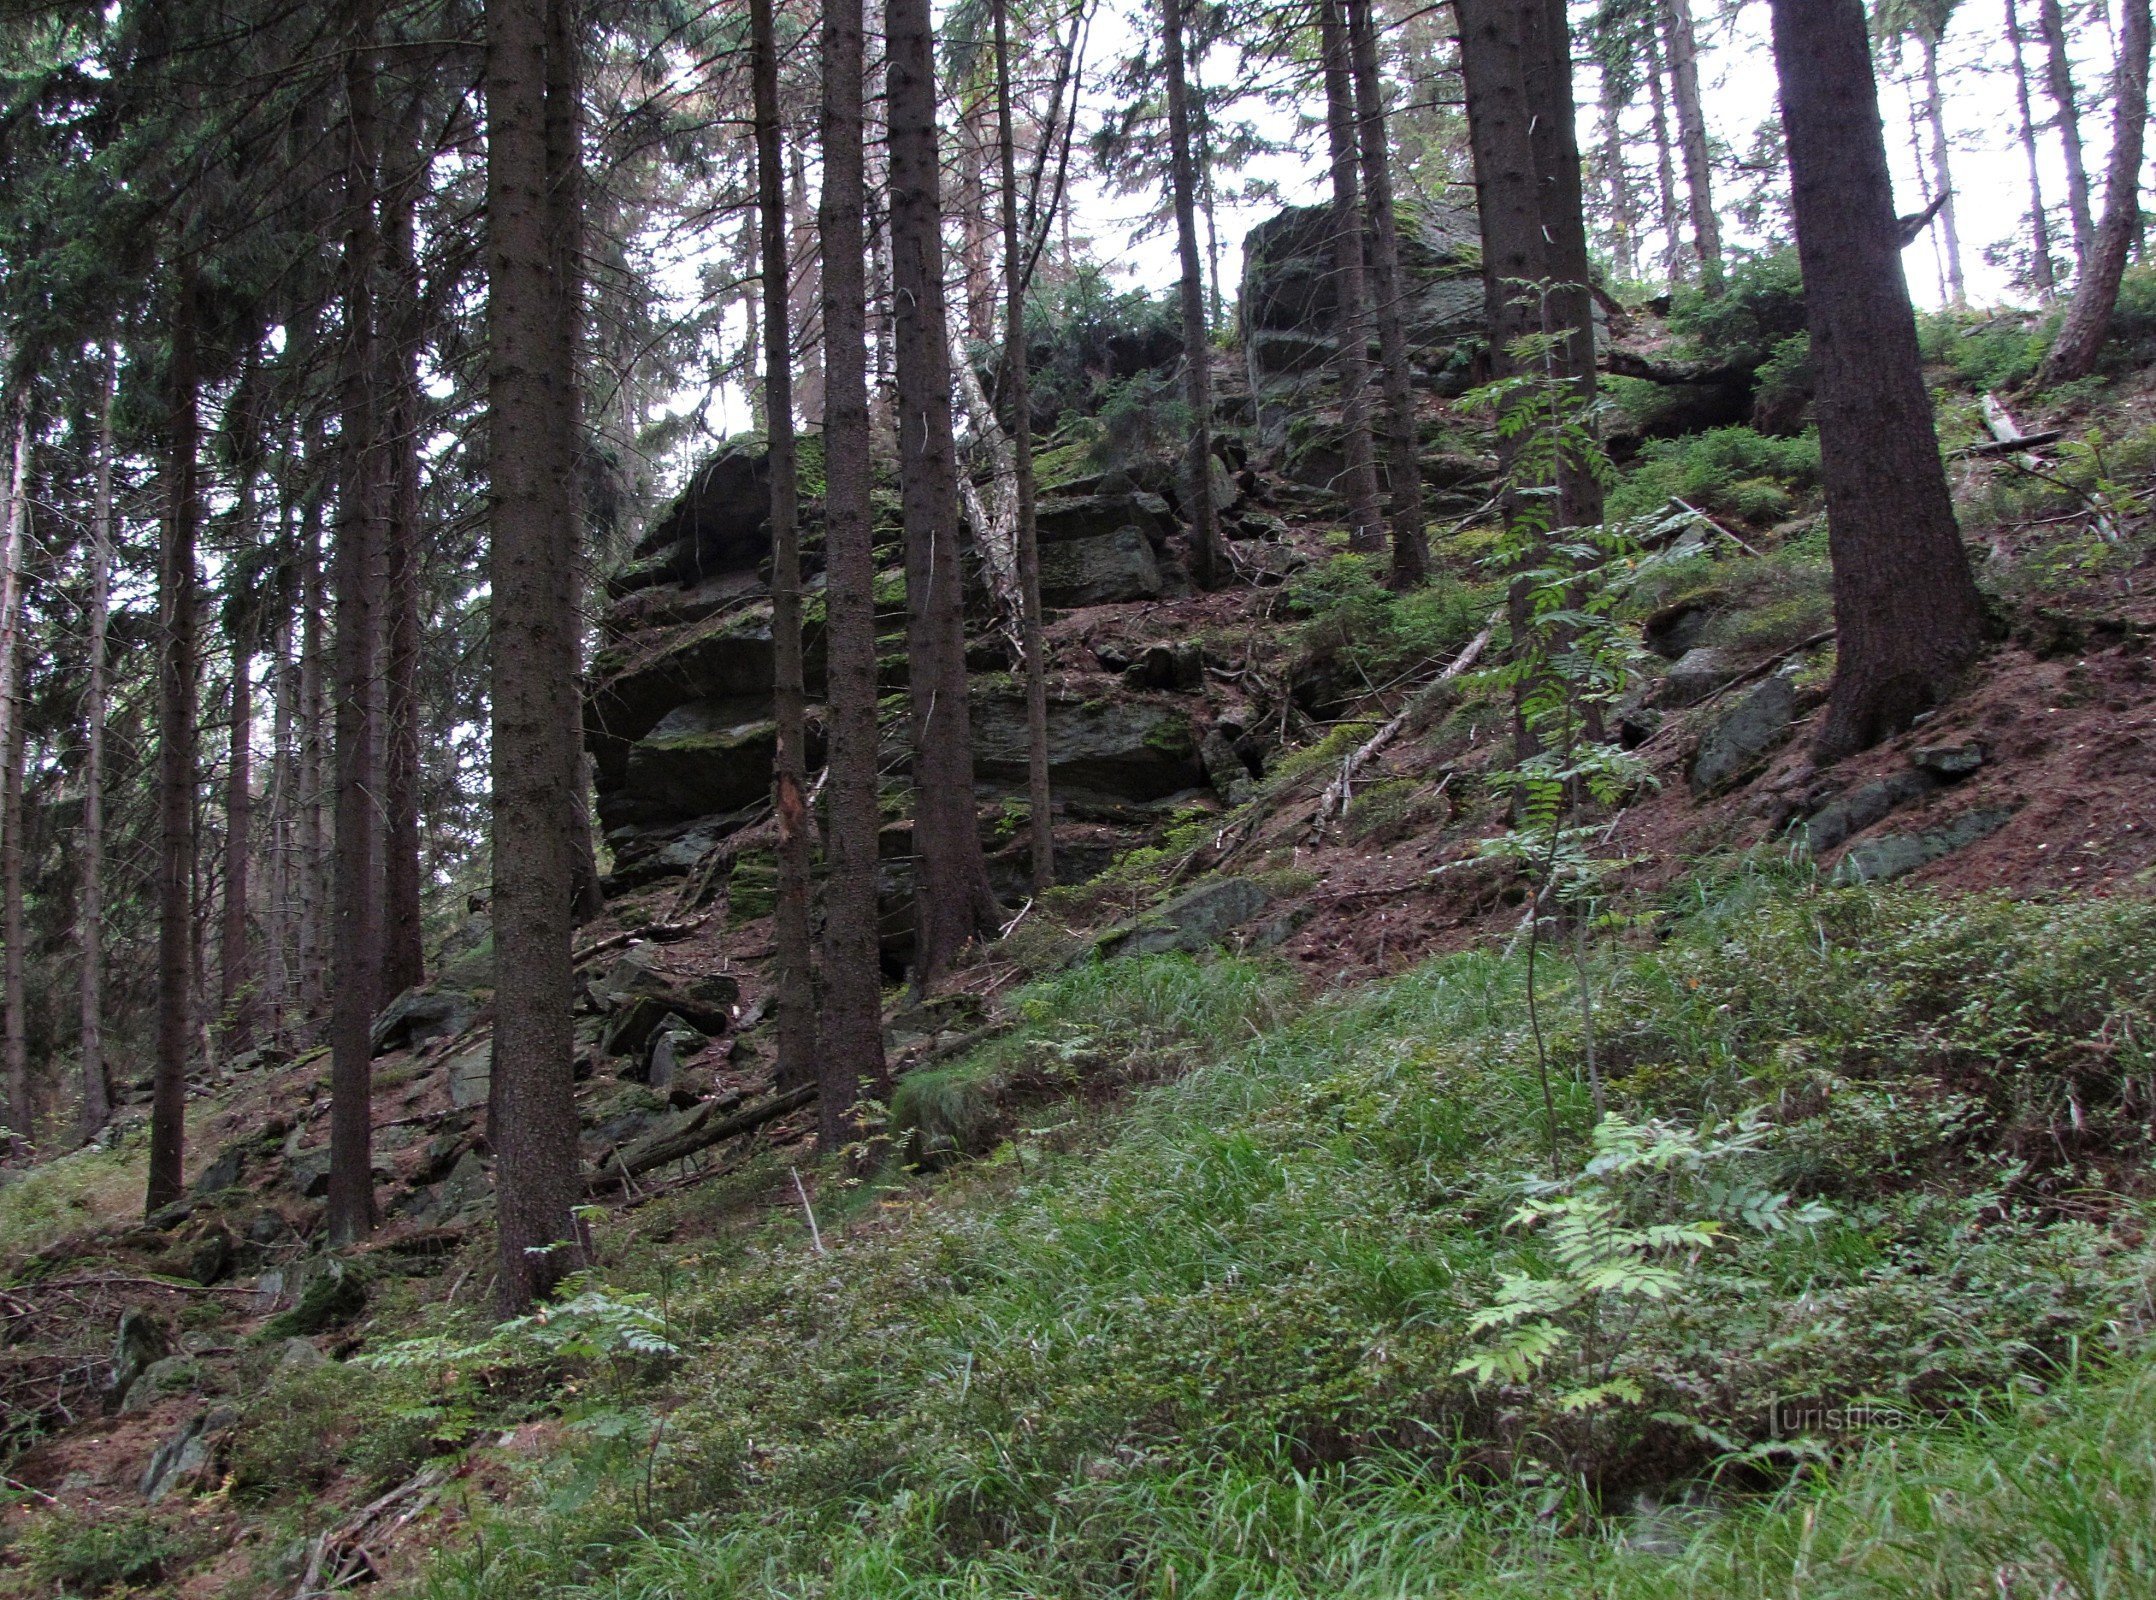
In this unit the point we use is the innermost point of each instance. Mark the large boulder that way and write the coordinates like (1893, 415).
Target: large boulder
(1289, 302)
(1114, 749)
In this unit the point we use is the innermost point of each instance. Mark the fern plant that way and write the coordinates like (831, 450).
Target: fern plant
(1630, 1227)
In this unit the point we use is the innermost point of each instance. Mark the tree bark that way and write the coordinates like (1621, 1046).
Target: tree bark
(236, 975)
(22, 1109)
(310, 783)
(17, 516)
(2043, 276)
(1410, 546)
(356, 918)
(176, 762)
(1692, 138)
(952, 899)
(789, 777)
(1906, 609)
(1208, 556)
(2088, 315)
(1351, 331)
(1033, 640)
(90, 909)
(851, 1068)
(533, 307)
(277, 856)
(404, 961)
(2059, 81)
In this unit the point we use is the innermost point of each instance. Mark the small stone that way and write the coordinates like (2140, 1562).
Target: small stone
(1194, 921)
(1695, 675)
(1878, 860)
(1862, 807)
(160, 1380)
(299, 1355)
(1950, 760)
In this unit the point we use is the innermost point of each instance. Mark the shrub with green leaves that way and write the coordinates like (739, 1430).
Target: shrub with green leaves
(1734, 472)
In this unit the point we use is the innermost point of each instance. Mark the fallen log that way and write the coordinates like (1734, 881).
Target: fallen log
(699, 1135)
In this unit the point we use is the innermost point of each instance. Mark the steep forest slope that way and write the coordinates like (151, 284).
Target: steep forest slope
(1284, 1205)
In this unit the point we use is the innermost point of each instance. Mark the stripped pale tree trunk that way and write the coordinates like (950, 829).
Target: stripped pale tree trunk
(2066, 103)
(1692, 140)
(2043, 276)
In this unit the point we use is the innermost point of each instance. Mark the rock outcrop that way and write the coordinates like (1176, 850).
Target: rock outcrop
(1288, 304)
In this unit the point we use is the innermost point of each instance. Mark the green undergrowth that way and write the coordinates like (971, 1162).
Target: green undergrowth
(1313, 1316)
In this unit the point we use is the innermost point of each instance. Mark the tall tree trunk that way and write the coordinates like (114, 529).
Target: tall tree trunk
(15, 1046)
(1403, 460)
(404, 962)
(1617, 177)
(851, 1067)
(90, 910)
(1665, 167)
(2059, 81)
(952, 899)
(1351, 329)
(235, 963)
(1208, 555)
(2043, 276)
(789, 774)
(2088, 314)
(356, 932)
(1692, 138)
(1906, 610)
(310, 783)
(533, 311)
(1033, 638)
(17, 517)
(279, 890)
(176, 763)
(1942, 172)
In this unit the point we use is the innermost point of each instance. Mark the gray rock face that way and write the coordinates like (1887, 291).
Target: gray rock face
(703, 757)
(1116, 567)
(1288, 303)
(419, 1015)
(1076, 518)
(721, 522)
(470, 1074)
(1877, 860)
(1741, 737)
(1861, 807)
(1192, 922)
(1119, 749)
(140, 1342)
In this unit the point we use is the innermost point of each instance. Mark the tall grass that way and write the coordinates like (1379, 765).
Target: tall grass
(1218, 1353)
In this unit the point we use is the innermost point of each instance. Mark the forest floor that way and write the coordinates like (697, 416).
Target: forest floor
(1204, 1282)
